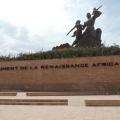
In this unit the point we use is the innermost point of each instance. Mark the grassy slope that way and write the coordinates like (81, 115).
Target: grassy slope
(66, 53)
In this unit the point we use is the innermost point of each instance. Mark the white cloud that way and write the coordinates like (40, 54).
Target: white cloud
(33, 13)
(32, 25)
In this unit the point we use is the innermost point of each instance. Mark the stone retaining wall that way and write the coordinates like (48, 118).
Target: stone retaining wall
(86, 75)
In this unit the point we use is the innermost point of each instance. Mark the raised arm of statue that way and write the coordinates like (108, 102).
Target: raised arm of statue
(96, 13)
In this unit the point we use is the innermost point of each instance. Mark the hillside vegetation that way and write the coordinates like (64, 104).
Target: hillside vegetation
(65, 53)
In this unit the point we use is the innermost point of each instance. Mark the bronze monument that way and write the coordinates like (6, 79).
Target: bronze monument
(86, 35)
(91, 37)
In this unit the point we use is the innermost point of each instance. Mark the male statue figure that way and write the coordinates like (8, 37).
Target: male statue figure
(89, 24)
(89, 28)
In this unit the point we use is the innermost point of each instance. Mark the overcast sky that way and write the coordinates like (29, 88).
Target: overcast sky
(35, 25)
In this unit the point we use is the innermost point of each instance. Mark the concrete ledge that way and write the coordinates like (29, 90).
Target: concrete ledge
(102, 102)
(8, 93)
(33, 102)
(53, 93)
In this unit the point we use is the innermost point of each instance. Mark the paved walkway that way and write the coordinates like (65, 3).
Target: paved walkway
(76, 110)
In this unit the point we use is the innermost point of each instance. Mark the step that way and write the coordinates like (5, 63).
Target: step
(33, 102)
(102, 102)
(8, 93)
(53, 93)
